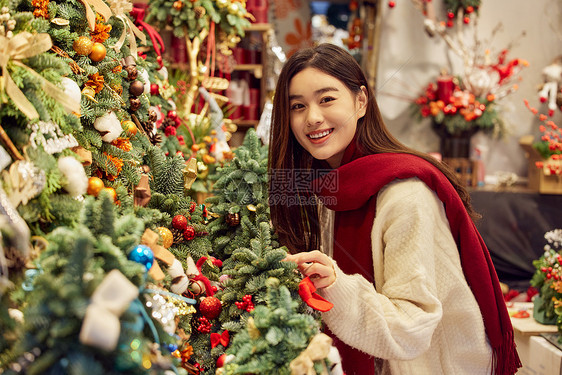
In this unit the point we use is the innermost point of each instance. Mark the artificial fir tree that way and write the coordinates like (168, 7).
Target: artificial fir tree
(59, 297)
(275, 334)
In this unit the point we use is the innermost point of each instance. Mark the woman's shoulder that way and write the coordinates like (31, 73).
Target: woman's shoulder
(408, 192)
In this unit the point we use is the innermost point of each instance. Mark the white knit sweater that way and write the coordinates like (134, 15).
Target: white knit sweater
(421, 317)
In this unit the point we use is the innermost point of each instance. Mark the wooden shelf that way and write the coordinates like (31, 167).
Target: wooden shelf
(258, 27)
(245, 123)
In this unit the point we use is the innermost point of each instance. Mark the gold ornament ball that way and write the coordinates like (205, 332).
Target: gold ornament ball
(98, 52)
(129, 127)
(83, 45)
(222, 3)
(95, 184)
(167, 236)
(178, 5)
(111, 192)
(233, 8)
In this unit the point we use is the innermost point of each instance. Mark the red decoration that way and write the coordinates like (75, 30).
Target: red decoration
(220, 360)
(445, 87)
(179, 222)
(204, 325)
(189, 233)
(210, 307)
(307, 291)
(154, 89)
(157, 42)
(246, 303)
(223, 339)
(391, 4)
(192, 207)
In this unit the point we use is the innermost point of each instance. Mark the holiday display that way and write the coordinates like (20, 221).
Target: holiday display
(548, 280)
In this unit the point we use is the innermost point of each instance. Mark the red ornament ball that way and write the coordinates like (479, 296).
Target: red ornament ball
(466, 20)
(391, 4)
(220, 360)
(172, 114)
(179, 222)
(154, 89)
(210, 307)
(189, 233)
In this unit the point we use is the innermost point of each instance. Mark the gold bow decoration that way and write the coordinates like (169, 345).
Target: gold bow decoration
(22, 46)
(120, 9)
(317, 349)
(150, 239)
(189, 174)
(100, 7)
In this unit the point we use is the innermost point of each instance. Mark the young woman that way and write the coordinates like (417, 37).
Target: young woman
(413, 286)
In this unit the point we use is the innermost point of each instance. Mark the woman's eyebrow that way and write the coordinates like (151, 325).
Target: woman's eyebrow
(316, 93)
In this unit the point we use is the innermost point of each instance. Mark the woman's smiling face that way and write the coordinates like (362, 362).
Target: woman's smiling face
(324, 114)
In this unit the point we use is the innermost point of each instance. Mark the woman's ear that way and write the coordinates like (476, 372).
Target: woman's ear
(362, 100)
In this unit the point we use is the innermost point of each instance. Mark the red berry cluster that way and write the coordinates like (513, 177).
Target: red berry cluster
(246, 303)
(204, 325)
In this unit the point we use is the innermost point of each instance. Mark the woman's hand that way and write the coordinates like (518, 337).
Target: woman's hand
(317, 265)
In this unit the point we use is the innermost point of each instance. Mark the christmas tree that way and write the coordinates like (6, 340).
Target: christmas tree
(275, 336)
(84, 311)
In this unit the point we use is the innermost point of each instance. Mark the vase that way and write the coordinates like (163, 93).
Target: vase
(539, 314)
(456, 145)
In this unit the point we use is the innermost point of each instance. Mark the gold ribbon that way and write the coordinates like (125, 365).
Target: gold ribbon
(317, 349)
(120, 9)
(22, 46)
(100, 7)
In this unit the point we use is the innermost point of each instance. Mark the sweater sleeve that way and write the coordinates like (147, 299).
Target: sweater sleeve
(398, 318)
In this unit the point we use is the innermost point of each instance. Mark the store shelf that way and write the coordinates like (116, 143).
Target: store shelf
(246, 123)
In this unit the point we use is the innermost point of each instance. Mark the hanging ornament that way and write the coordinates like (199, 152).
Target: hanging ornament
(56, 141)
(129, 127)
(142, 254)
(95, 184)
(210, 307)
(136, 88)
(178, 5)
(98, 52)
(179, 222)
(83, 46)
(111, 191)
(189, 233)
(72, 90)
(26, 181)
(189, 173)
(232, 219)
(167, 236)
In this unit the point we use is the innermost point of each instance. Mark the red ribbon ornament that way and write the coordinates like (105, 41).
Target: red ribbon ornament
(223, 339)
(307, 291)
(157, 42)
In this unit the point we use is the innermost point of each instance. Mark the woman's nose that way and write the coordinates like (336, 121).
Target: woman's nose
(314, 116)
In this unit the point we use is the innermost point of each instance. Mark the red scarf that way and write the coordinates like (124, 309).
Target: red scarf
(359, 180)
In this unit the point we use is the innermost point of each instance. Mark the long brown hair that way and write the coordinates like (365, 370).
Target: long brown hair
(294, 213)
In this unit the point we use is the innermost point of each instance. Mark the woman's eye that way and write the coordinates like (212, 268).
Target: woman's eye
(296, 106)
(327, 99)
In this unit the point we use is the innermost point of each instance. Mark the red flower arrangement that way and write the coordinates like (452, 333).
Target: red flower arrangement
(461, 105)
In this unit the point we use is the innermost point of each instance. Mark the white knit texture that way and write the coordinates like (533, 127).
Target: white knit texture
(422, 318)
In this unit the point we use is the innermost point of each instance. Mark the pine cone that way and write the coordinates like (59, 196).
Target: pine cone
(168, 122)
(178, 235)
(135, 104)
(155, 138)
(132, 72)
(232, 219)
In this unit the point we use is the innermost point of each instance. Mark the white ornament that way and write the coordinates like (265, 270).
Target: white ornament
(109, 126)
(144, 74)
(72, 90)
(56, 141)
(164, 73)
(76, 180)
